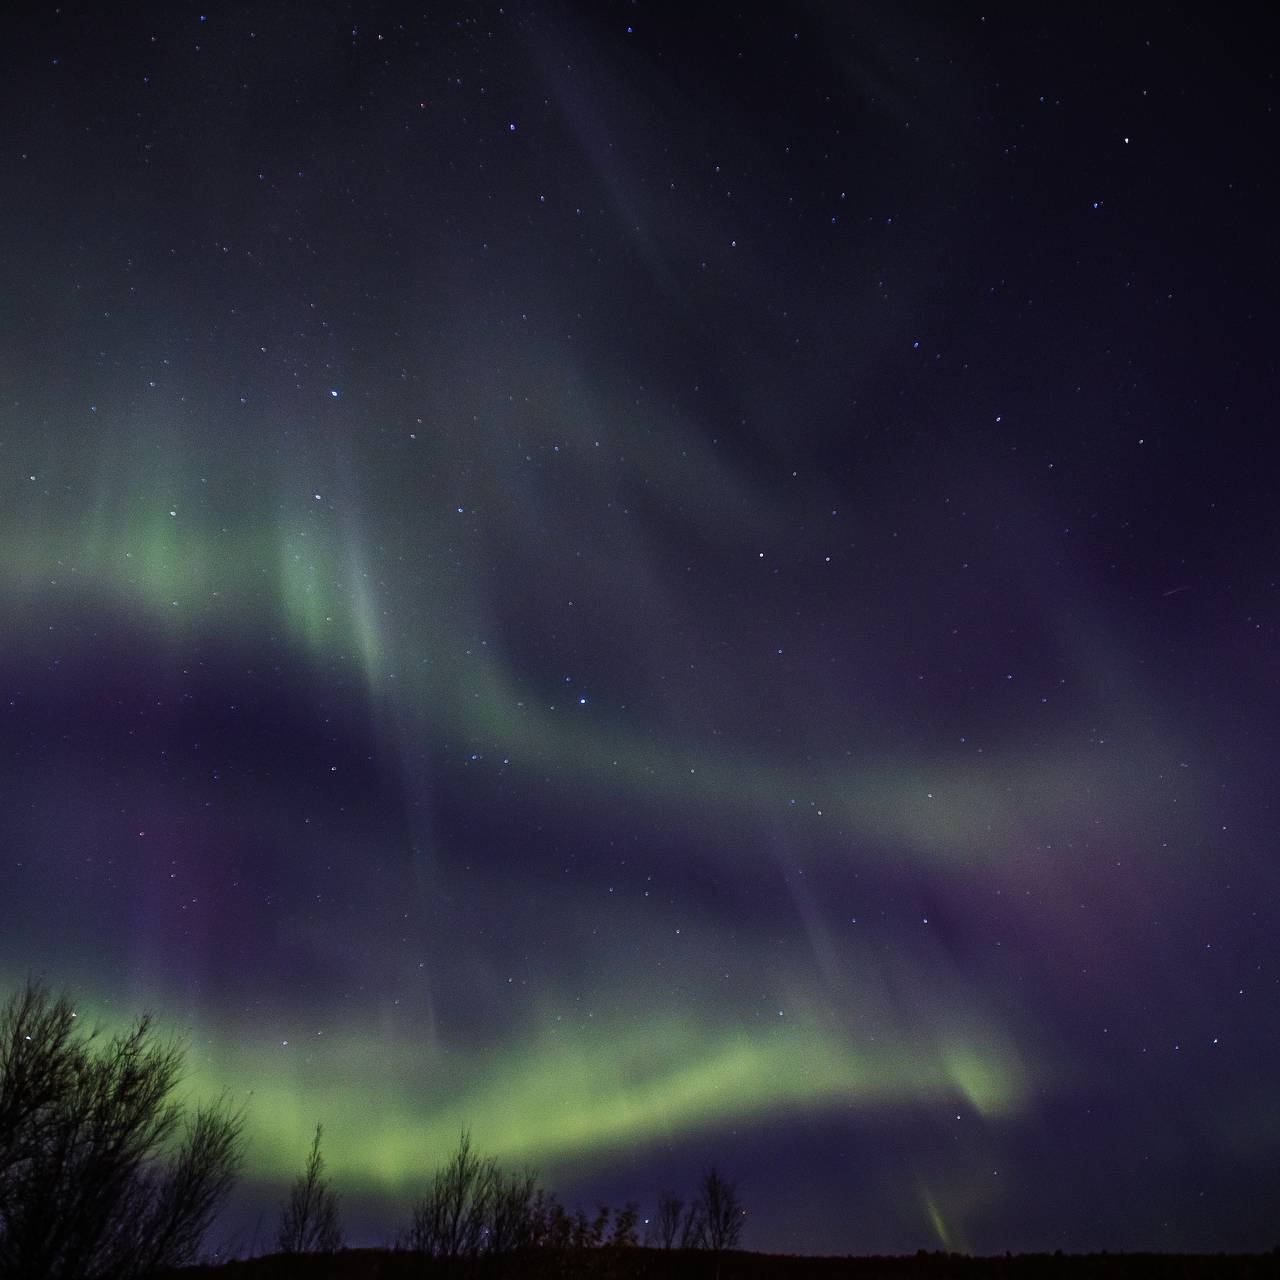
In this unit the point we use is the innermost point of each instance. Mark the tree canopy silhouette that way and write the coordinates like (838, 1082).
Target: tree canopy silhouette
(102, 1176)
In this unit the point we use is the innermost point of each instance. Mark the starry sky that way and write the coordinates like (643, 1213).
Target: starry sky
(669, 583)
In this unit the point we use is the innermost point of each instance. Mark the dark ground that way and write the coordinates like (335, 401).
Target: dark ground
(641, 1264)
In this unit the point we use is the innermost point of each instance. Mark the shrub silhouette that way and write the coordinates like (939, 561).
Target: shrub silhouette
(101, 1175)
(309, 1219)
(474, 1209)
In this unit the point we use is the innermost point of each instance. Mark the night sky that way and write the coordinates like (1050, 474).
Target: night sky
(671, 584)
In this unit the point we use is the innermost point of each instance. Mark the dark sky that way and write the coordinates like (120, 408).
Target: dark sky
(672, 584)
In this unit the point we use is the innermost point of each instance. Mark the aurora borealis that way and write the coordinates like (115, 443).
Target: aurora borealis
(669, 584)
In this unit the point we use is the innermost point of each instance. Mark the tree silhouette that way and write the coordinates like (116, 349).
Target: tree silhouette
(474, 1209)
(589, 1233)
(623, 1235)
(511, 1218)
(718, 1213)
(692, 1235)
(450, 1220)
(309, 1219)
(665, 1228)
(101, 1175)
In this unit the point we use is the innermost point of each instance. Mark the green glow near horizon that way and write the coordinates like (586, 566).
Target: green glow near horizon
(565, 1100)
(564, 1097)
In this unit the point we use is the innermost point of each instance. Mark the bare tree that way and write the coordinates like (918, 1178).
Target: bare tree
(38, 1068)
(552, 1224)
(309, 1220)
(664, 1231)
(692, 1235)
(589, 1233)
(512, 1212)
(101, 1175)
(450, 1221)
(475, 1209)
(719, 1213)
(623, 1235)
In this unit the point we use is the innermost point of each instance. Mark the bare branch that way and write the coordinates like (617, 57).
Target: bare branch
(309, 1220)
(90, 1183)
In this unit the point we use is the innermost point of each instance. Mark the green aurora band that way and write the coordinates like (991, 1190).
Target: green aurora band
(566, 1098)
(563, 1098)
